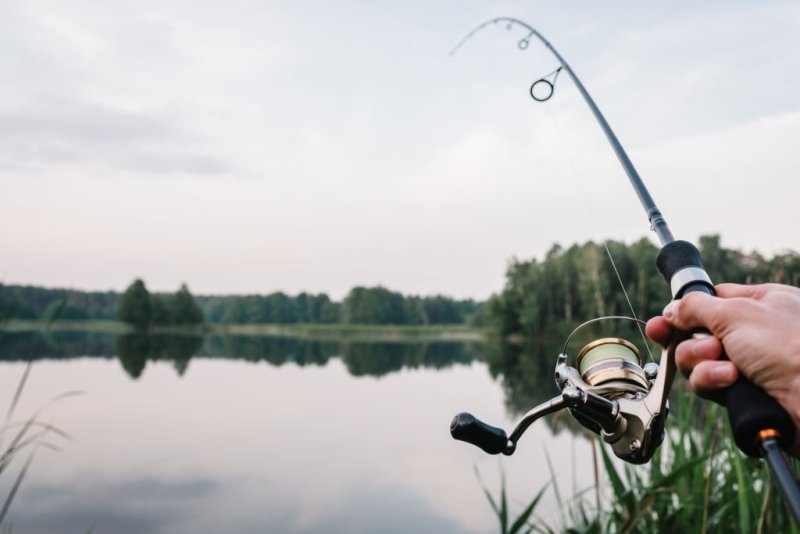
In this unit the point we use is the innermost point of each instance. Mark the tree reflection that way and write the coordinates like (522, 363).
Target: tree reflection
(24, 346)
(274, 350)
(378, 359)
(136, 349)
(132, 351)
(525, 371)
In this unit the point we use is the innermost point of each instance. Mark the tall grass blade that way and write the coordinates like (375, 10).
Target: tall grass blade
(503, 503)
(31, 432)
(526, 513)
(15, 487)
(616, 481)
(741, 494)
(59, 309)
(557, 492)
(18, 392)
(762, 520)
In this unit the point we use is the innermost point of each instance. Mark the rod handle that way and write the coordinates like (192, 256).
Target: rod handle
(467, 427)
(750, 408)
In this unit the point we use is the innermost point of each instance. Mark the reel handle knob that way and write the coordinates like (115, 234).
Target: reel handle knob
(466, 427)
(750, 408)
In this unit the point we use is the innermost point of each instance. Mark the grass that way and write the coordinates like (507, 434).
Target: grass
(25, 438)
(29, 435)
(698, 481)
(98, 325)
(501, 508)
(318, 332)
(366, 333)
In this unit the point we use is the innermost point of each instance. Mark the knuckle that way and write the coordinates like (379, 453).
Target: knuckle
(690, 301)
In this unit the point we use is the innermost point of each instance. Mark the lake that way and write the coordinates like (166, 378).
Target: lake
(261, 434)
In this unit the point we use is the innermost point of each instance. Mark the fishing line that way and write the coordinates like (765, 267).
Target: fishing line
(584, 196)
(623, 403)
(547, 82)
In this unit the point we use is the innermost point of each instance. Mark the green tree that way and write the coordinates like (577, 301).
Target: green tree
(234, 311)
(183, 309)
(160, 313)
(60, 310)
(329, 311)
(282, 308)
(133, 306)
(374, 305)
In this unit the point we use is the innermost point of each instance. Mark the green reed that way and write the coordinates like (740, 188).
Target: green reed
(698, 481)
(25, 438)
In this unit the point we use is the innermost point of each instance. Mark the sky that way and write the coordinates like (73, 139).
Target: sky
(256, 146)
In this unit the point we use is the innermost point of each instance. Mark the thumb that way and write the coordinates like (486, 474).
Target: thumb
(695, 310)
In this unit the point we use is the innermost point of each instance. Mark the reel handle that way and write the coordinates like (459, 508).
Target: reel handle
(467, 427)
(750, 409)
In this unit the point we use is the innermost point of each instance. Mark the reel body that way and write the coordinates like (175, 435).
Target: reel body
(607, 390)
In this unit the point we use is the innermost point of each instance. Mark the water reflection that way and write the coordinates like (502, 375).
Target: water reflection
(274, 350)
(525, 370)
(303, 444)
(134, 351)
(25, 346)
(119, 504)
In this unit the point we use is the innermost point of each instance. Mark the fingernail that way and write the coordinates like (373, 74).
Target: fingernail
(723, 373)
(669, 311)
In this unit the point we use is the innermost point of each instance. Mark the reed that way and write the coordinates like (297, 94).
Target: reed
(698, 481)
(24, 438)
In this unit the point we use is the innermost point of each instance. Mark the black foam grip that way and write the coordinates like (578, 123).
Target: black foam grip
(466, 427)
(675, 256)
(750, 408)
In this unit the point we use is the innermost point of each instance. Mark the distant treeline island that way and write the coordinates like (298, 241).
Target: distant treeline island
(141, 308)
(567, 286)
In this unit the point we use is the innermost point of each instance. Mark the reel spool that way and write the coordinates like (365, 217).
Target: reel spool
(607, 390)
(612, 361)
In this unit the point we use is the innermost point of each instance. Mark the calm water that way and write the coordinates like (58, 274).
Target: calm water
(269, 435)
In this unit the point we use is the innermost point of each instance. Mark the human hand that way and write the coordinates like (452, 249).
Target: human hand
(759, 328)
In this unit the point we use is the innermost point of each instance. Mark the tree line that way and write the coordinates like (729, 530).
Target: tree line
(362, 305)
(566, 287)
(30, 302)
(572, 285)
(135, 350)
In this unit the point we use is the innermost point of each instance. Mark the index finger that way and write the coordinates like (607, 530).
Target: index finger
(659, 330)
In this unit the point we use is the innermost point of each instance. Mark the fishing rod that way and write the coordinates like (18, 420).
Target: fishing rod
(605, 386)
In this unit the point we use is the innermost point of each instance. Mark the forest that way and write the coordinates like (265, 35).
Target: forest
(567, 286)
(572, 285)
(140, 307)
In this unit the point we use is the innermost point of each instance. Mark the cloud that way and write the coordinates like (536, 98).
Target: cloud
(154, 504)
(56, 132)
(130, 506)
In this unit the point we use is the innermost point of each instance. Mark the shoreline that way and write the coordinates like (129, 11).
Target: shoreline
(322, 332)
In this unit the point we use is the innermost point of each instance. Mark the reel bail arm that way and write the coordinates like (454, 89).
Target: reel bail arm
(606, 391)
(493, 440)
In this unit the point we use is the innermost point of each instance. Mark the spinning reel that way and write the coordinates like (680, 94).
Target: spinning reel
(606, 389)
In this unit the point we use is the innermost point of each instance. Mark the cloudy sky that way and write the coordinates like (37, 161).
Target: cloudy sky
(253, 146)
